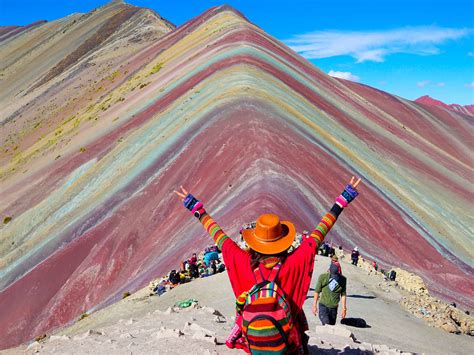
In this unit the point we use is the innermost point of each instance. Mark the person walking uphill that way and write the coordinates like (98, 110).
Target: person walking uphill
(270, 285)
(355, 256)
(332, 288)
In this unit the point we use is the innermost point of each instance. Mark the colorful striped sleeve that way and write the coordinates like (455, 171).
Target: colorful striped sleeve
(325, 225)
(213, 229)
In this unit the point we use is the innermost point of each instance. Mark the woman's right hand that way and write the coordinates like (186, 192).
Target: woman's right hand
(349, 193)
(182, 195)
(354, 183)
(191, 202)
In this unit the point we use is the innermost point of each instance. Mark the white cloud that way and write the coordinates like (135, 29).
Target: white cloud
(470, 85)
(374, 46)
(423, 83)
(344, 75)
(470, 54)
(441, 85)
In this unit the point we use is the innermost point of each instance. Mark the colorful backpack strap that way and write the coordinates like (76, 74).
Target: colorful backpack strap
(274, 273)
(257, 272)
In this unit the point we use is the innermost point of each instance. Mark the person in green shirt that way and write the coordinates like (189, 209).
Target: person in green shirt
(332, 288)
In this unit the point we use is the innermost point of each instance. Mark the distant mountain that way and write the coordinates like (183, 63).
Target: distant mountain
(103, 114)
(429, 101)
(9, 31)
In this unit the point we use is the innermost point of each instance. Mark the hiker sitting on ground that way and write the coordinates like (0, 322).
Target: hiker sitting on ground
(268, 260)
(332, 288)
(174, 277)
(355, 256)
(212, 269)
(210, 256)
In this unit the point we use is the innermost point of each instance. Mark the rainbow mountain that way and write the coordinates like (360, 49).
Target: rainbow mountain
(104, 114)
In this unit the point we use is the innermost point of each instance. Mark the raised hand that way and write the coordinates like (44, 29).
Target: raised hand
(352, 183)
(182, 195)
(349, 193)
(190, 202)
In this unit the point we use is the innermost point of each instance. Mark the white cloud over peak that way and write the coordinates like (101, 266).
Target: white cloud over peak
(344, 75)
(374, 46)
(423, 83)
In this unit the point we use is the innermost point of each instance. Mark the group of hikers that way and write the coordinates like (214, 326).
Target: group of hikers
(271, 277)
(206, 263)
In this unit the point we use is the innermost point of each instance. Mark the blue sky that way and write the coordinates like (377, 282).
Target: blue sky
(408, 48)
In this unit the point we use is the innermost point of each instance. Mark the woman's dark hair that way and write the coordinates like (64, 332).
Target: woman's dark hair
(256, 258)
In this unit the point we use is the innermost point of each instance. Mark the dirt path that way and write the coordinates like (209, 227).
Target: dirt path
(143, 324)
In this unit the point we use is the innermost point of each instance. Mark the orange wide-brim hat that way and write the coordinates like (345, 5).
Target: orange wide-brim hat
(270, 236)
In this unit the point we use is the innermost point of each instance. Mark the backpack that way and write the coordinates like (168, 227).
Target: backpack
(333, 283)
(392, 275)
(266, 315)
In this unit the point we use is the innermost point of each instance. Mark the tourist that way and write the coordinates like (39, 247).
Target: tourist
(331, 286)
(355, 256)
(268, 260)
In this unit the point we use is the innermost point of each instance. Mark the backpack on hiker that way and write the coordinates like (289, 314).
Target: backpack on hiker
(266, 315)
(333, 283)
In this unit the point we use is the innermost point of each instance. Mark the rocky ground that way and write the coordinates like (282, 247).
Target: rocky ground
(152, 324)
(418, 301)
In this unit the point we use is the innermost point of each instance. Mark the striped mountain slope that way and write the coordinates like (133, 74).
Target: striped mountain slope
(91, 153)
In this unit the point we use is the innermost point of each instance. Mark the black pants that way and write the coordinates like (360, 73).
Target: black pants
(327, 315)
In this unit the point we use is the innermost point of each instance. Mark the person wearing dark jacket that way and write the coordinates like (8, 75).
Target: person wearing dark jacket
(355, 256)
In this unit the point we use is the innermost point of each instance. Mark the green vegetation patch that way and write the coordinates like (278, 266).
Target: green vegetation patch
(114, 75)
(156, 68)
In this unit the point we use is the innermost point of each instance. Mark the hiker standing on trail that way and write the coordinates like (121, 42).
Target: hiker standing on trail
(331, 286)
(355, 256)
(374, 264)
(269, 284)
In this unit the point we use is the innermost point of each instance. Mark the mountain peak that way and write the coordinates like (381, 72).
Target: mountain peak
(126, 108)
(429, 101)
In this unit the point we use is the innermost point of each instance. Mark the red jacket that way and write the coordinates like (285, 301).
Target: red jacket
(295, 273)
(294, 276)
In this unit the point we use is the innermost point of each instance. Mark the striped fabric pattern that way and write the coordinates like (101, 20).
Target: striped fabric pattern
(323, 228)
(213, 229)
(266, 316)
(240, 301)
